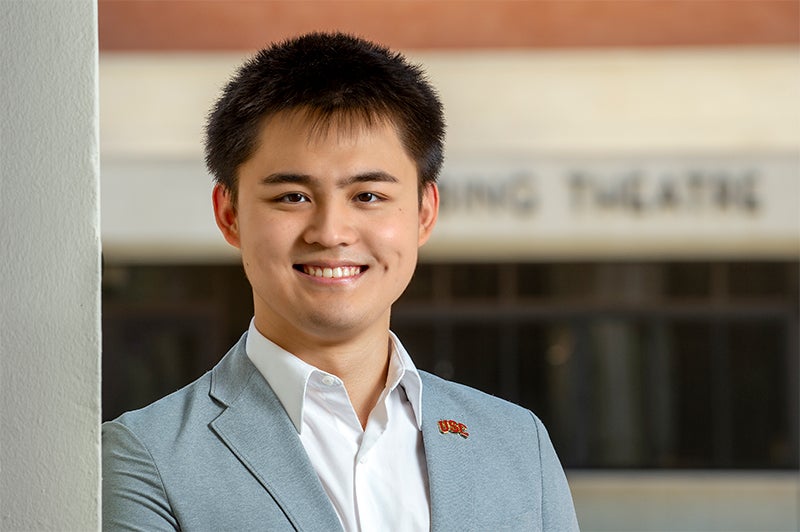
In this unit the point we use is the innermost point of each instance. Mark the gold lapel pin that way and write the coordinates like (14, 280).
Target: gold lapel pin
(453, 427)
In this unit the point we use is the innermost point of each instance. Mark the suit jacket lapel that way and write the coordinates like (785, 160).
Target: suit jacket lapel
(448, 459)
(256, 428)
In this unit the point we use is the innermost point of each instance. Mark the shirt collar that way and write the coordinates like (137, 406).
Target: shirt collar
(288, 376)
(406, 374)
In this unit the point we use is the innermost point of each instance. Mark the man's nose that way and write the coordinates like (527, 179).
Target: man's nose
(330, 225)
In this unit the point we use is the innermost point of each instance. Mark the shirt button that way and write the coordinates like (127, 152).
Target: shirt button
(327, 380)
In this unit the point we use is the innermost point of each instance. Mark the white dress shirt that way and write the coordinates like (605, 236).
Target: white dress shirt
(376, 478)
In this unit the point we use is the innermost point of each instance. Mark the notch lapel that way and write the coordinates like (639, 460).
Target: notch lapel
(449, 460)
(256, 428)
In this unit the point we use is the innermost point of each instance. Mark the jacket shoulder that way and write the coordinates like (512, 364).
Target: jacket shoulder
(194, 405)
(510, 452)
(162, 416)
(472, 399)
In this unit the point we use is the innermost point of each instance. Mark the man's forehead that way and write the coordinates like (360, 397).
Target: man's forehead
(318, 126)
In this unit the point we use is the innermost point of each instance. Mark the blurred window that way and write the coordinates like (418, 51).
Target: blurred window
(630, 365)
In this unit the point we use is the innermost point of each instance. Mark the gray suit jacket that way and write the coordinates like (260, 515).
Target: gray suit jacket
(222, 454)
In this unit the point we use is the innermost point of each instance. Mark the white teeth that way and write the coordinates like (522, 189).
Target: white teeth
(332, 273)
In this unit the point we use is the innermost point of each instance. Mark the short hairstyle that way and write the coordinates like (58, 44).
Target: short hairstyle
(330, 76)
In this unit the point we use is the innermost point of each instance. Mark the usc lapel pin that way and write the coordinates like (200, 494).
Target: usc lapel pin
(453, 427)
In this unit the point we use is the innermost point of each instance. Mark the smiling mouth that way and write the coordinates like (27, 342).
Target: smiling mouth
(324, 272)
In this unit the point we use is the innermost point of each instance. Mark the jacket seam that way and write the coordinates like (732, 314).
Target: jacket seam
(541, 466)
(155, 466)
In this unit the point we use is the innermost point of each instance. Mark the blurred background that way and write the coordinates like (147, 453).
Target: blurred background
(617, 249)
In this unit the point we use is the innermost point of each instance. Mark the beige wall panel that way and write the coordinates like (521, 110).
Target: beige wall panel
(541, 113)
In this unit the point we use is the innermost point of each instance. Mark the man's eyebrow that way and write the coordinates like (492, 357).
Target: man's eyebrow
(281, 178)
(370, 177)
(286, 178)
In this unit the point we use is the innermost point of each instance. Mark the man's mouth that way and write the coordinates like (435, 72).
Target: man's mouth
(337, 272)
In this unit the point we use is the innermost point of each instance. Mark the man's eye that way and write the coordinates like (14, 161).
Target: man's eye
(367, 197)
(294, 197)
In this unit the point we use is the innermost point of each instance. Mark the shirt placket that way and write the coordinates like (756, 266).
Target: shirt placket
(366, 505)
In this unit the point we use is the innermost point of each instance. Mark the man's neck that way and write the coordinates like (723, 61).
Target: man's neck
(360, 361)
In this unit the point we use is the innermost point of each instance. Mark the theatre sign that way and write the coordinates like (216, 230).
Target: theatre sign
(681, 207)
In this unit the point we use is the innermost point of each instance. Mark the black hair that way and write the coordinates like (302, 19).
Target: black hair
(329, 76)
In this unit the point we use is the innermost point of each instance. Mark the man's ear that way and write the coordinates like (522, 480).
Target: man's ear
(428, 211)
(225, 215)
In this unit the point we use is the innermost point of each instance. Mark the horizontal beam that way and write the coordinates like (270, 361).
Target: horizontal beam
(180, 25)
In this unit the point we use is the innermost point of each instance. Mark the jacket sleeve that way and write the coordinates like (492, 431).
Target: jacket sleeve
(133, 493)
(558, 511)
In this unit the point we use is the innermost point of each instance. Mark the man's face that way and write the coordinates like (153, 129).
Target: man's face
(329, 225)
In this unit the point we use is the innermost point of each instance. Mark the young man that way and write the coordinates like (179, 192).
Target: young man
(325, 150)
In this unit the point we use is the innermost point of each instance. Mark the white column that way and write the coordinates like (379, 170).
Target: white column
(49, 266)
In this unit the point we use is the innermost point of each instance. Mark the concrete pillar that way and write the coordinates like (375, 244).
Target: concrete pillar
(49, 266)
